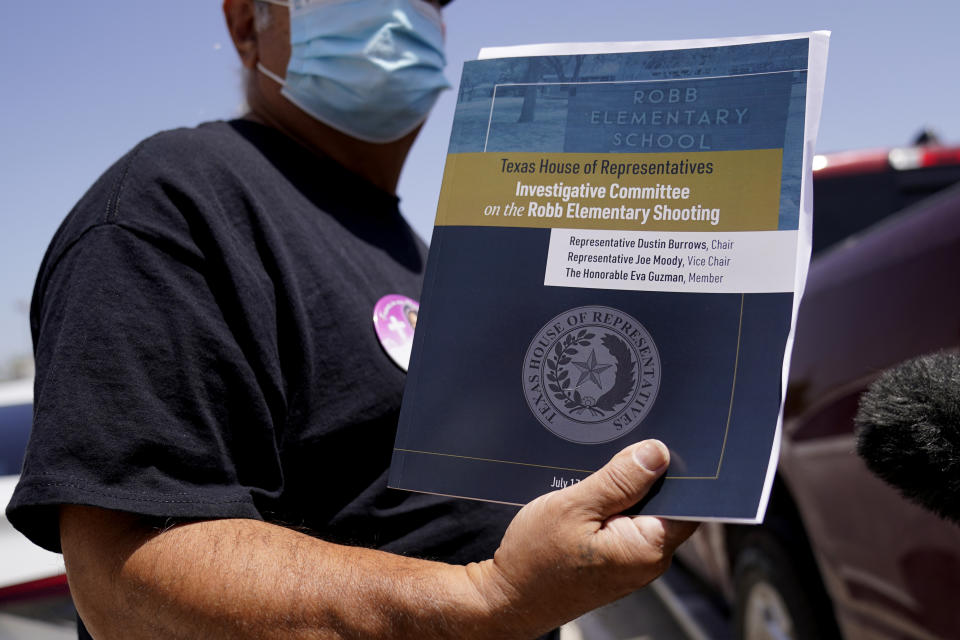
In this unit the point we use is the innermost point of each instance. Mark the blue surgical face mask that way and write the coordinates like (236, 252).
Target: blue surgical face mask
(369, 68)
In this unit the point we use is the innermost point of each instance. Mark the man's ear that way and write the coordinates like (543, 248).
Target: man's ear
(242, 26)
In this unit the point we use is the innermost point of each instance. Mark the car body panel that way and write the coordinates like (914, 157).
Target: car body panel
(21, 562)
(887, 294)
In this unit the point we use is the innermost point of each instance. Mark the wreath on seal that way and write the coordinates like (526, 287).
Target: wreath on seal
(558, 381)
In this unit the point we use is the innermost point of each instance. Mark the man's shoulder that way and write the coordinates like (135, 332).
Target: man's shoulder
(186, 155)
(188, 163)
(193, 145)
(162, 185)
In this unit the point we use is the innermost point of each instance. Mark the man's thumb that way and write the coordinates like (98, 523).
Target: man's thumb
(623, 481)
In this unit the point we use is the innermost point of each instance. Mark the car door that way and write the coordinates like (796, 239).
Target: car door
(885, 296)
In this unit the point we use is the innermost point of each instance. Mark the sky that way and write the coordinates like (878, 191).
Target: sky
(82, 82)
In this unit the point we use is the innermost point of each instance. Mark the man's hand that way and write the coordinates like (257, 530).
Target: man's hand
(570, 551)
(564, 554)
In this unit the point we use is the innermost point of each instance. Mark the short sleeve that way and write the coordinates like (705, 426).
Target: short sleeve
(145, 399)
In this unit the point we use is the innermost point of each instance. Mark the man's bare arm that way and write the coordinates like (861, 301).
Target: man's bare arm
(245, 578)
(564, 554)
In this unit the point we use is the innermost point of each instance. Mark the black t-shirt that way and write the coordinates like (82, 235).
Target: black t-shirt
(205, 349)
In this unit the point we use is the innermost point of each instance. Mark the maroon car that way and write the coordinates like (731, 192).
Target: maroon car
(841, 554)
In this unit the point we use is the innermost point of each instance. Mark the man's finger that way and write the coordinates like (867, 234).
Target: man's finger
(676, 531)
(623, 481)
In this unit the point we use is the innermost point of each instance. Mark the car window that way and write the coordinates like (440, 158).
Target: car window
(846, 204)
(15, 423)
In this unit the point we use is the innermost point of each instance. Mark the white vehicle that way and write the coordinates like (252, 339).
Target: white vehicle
(34, 599)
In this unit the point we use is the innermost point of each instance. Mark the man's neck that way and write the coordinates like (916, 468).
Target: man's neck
(380, 164)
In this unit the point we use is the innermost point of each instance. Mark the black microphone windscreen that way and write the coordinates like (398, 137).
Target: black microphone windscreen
(908, 431)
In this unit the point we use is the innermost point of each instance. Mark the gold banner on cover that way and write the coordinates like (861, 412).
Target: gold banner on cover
(703, 191)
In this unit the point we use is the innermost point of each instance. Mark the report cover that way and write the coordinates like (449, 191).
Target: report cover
(621, 242)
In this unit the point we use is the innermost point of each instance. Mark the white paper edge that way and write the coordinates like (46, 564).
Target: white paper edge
(580, 48)
(816, 76)
(819, 42)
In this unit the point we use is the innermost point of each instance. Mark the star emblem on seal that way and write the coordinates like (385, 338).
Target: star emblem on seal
(591, 374)
(591, 369)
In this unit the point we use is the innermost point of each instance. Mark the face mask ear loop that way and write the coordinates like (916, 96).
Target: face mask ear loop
(270, 74)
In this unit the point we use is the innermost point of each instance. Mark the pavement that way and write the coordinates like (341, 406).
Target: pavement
(639, 616)
(675, 607)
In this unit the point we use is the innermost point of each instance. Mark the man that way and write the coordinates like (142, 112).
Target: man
(213, 415)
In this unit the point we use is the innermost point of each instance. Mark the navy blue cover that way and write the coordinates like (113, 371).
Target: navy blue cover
(466, 428)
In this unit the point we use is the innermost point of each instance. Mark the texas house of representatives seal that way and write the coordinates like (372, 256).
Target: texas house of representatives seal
(591, 374)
